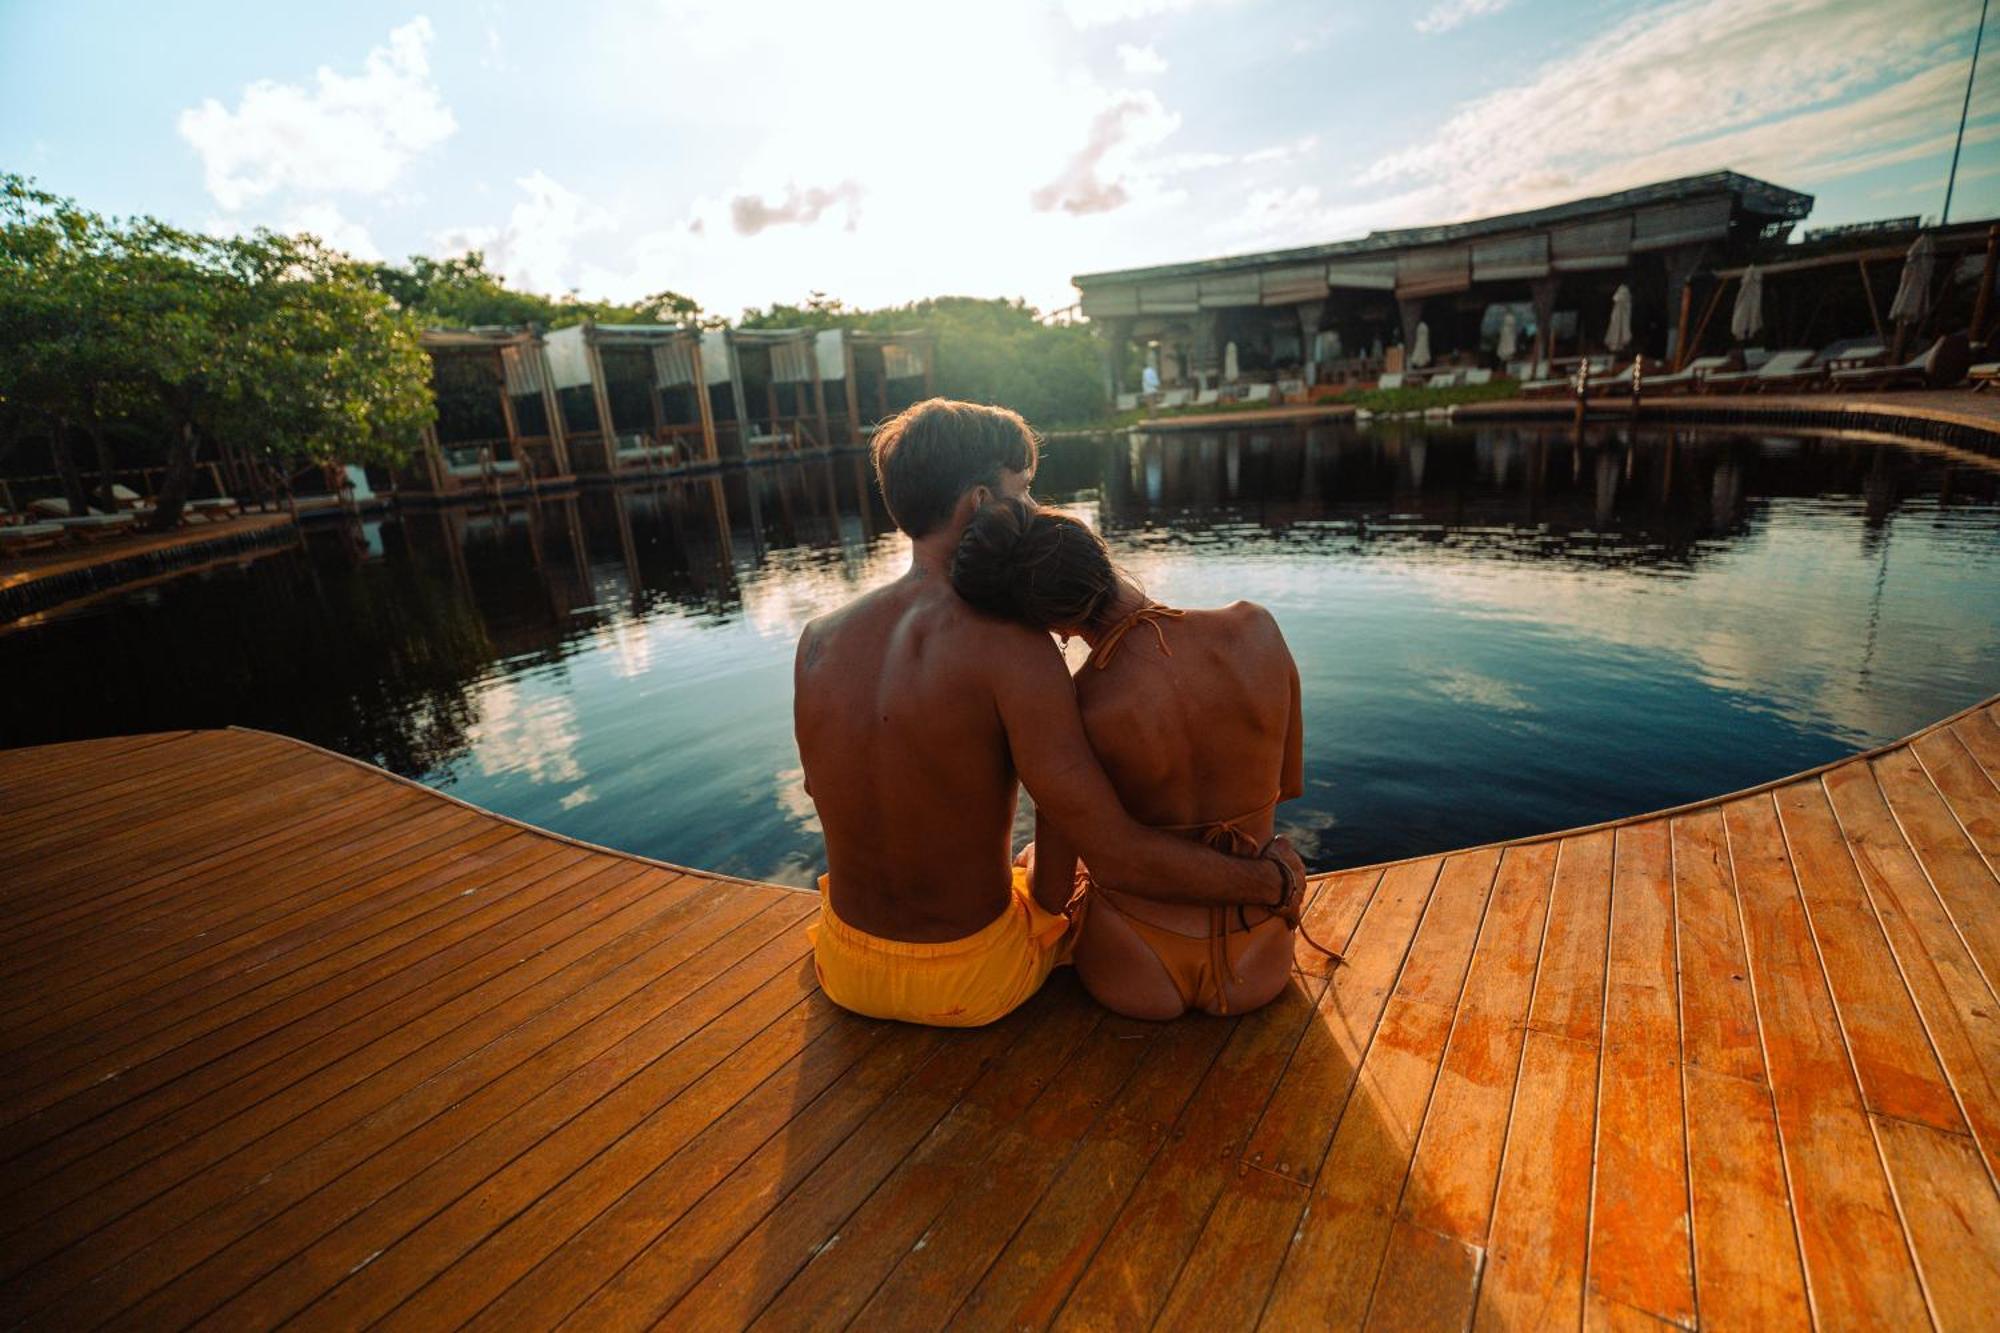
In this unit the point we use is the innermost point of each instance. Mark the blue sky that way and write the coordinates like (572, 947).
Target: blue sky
(750, 152)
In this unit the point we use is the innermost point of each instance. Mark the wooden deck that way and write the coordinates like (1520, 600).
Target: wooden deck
(38, 581)
(290, 1039)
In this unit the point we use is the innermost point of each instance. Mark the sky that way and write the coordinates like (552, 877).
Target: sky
(744, 153)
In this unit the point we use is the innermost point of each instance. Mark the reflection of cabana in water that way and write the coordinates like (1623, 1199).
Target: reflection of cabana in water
(764, 391)
(633, 396)
(879, 374)
(498, 427)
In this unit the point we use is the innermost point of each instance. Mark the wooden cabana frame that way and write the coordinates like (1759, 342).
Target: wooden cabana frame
(513, 461)
(594, 357)
(788, 360)
(868, 359)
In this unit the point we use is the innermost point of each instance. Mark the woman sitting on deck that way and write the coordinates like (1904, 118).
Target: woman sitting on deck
(1195, 716)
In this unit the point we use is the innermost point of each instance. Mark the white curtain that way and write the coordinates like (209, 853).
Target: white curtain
(673, 364)
(830, 346)
(569, 365)
(902, 362)
(1619, 335)
(791, 363)
(1748, 316)
(522, 366)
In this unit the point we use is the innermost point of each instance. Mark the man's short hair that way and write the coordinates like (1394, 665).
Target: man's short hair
(929, 455)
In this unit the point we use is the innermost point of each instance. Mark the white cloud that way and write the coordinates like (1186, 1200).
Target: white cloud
(1141, 61)
(749, 214)
(537, 249)
(1799, 91)
(1090, 181)
(326, 221)
(1279, 152)
(346, 133)
(1103, 13)
(1449, 14)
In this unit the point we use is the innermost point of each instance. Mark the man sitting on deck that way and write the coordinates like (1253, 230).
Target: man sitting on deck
(917, 717)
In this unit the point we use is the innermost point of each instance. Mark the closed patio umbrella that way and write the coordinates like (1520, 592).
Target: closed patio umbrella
(1619, 335)
(1913, 293)
(1420, 355)
(1230, 366)
(1510, 333)
(1748, 316)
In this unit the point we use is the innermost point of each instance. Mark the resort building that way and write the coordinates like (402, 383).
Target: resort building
(1355, 308)
(633, 396)
(499, 427)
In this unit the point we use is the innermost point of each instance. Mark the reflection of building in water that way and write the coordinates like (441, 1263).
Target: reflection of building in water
(1612, 496)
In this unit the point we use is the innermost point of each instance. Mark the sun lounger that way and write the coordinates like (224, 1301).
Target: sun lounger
(1473, 377)
(1941, 365)
(1779, 367)
(1689, 377)
(1177, 397)
(29, 536)
(1208, 398)
(1392, 379)
(1984, 376)
(1128, 402)
(1257, 393)
(96, 527)
(216, 510)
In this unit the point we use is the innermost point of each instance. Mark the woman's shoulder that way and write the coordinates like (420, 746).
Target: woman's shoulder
(1240, 618)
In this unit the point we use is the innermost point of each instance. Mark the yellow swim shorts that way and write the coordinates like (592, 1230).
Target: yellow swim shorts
(963, 983)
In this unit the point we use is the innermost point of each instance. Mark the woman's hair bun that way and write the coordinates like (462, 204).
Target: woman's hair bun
(1038, 566)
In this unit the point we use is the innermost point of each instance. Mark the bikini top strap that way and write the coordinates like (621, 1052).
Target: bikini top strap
(1225, 835)
(1152, 613)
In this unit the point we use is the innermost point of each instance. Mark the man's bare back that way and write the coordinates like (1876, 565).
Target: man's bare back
(907, 759)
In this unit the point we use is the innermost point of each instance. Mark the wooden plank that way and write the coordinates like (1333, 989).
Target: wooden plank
(1964, 883)
(1640, 1254)
(1746, 1254)
(1541, 1214)
(1718, 1013)
(330, 1072)
(1022, 1160)
(225, 1244)
(1127, 1280)
(1857, 1261)
(203, 1085)
(1457, 1162)
(1428, 1281)
(1229, 1275)
(201, 996)
(1966, 788)
(1033, 1276)
(847, 1245)
(1569, 990)
(1979, 733)
(416, 855)
(1898, 1073)
(657, 1052)
(1953, 1216)
(647, 1249)
(1958, 1007)
(685, 1145)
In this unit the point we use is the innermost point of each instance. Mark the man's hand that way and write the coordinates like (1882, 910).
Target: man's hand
(1280, 849)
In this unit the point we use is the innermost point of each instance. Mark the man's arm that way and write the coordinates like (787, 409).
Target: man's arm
(1292, 783)
(1054, 865)
(1037, 704)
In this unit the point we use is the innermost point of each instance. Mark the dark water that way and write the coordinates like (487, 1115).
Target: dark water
(1500, 632)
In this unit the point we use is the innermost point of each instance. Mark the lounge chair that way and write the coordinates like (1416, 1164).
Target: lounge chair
(1984, 376)
(1473, 377)
(97, 527)
(1562, 380)
(215, 510)
(1780, 366)
(1941, 365)
(1177, 397)
(1391, 379)
(1688, 378)
(1128, 402)
(29, 536)
(1208, 398)
(1257, 393)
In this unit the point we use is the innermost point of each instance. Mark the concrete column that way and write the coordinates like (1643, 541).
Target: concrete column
(1310, 314)
(1116, 336)
(1542, 291)
(1207, 352)
(1682, 262)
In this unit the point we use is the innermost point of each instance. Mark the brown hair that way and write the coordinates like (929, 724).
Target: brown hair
(1043, 568)
(929, 455)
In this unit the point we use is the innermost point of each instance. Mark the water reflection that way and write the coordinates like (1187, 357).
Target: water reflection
(1500, 631)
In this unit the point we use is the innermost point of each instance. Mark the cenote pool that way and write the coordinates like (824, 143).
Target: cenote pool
(1501, 631)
